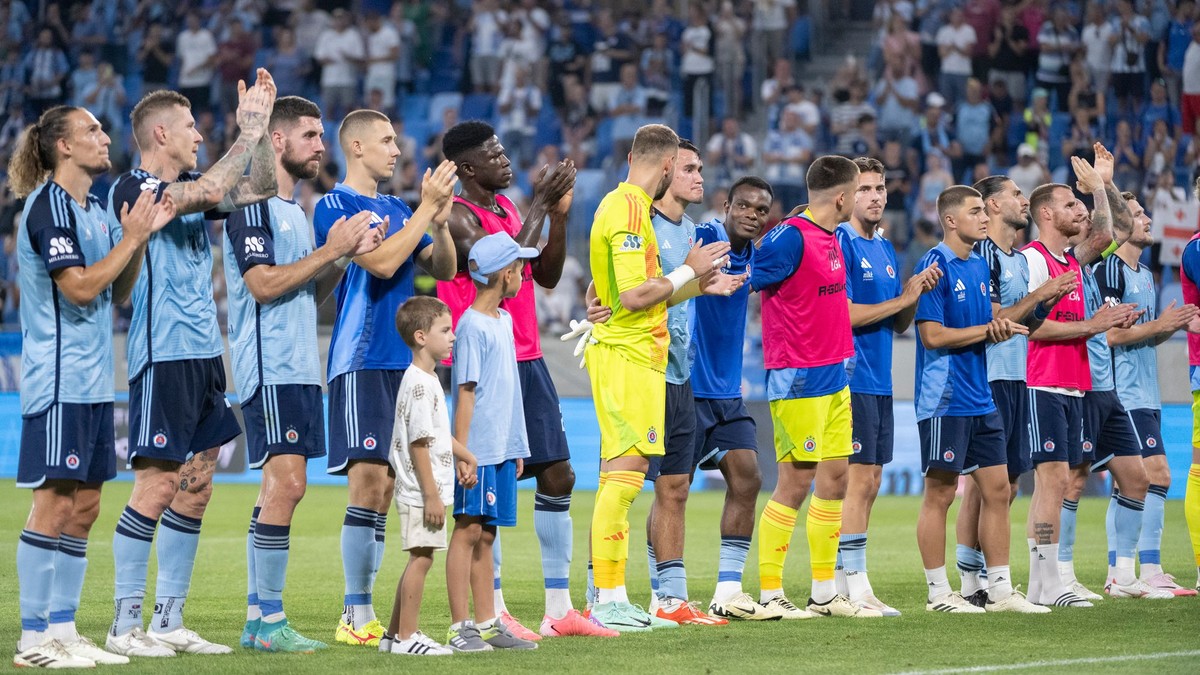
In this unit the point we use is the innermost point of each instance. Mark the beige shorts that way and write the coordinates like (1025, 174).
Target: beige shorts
(414, 533)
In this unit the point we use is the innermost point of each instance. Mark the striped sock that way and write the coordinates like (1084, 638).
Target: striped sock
(970, 565)
(1191, 509)
(380, 536)
(552, 523)
(35, 578)
(775, 527)
(271, 544)
(652, 566)
(358, 560)
(672, 579)
(730, 565)
(131, 557)
(822, 526)
(1150, 543)
(70, 566)
(1066, 536)
(1127, 526)
(176, 550)
(252, 612)
(1110, 528)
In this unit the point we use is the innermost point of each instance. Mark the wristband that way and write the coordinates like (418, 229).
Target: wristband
(343, 262)
(1040, 312)
(1110, 250)
(679, 277)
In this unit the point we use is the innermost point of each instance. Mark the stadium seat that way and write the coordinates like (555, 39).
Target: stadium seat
(549, 131)
(416, 106)
(439, 103)
(1060, 125)
(604, 142)
(801, 38)
(478, 107)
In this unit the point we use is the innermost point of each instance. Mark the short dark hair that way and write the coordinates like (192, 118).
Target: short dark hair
(289, 109)
(953, 197)
(1042, 194)
(869, 165)
(464, 137)
(751, 182)
(654, 141)
(830, 171)
(418, 313)
(685, 144)
(151, 103)
(991, 186)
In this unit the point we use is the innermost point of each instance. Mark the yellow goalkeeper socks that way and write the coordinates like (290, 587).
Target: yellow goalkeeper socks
(610, 527)
(775, 528)
(823, 527)
(1191, 509)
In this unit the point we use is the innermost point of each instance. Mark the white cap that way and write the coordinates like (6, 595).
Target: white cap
(1026, 150)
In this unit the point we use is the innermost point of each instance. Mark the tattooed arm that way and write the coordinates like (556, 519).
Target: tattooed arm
(259, 185)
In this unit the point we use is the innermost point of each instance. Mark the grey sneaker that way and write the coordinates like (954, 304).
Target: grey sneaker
(466, 639)
(500, 637)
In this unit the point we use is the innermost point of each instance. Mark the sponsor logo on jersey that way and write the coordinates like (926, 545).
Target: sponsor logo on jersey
(632, 242)
(255, 247)
(835, 261)
(60, 247)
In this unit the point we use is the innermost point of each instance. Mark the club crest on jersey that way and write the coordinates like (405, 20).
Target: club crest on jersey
(651, 436)
(1087, 446)
(983, 288)
(1048, 446)
(891, 271)
(810, 444)
(160, 440)
(72, 461)
(369, 443)
(856, 447)
(491, 497)
(1151, 442)
(292, 435)
(948, 455)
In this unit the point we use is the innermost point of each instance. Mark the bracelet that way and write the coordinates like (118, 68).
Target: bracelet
(679, 277)
(343, 262)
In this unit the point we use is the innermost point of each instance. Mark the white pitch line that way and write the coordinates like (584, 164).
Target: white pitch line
(1053, 664)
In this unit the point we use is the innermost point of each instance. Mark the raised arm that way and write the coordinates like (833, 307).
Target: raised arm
(436, 188)
(259, 185)
(552, 195)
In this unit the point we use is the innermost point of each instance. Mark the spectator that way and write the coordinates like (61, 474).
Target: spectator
(534, 25)
(235, 58)
(1009, 52)
(1058, 41)
(46, 70)
(1096, 46)
(1084, 99)
(662, 19)
(12, 80)
(1029, 172)
(956, 43)
(405, 182)
(197, 50)
(1127, 154)
(786, 154)
(627, 108)
(406, 56)
(14, 124)
(519, 103)
(106, 100)
(696, 62)
(1130, 34)
(658, 65)
(1002, 102)
(730, 151)
(730, 57)
(287, 63)
(1079, 140)
(1160, 154)
(1173, 48)
(898, 98)
(565, 59)
(715, 203)
(339, 51)
(844, 117)
(1190, 104)
(557, 306)
(487, 31)
(83, 77)
(898, 181)
(310, 23)
(901, 44)
(611, 50)
(383, 53)
(933, 182)
(156, 54)
(804, 106)
(1159, 108)
(930, 17)
(513, 54)
(933, 134)
(1038, 119)
(981, 15)
(578, 124)
(769, 25)
(973, 124)
(772, 89)
(433, 145)
(404, 140)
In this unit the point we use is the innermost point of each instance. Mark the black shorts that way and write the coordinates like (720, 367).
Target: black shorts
(961, 444)
(284, 419)
(543, 415)
(67, 441)
(1012, 402)
(178, 408)
(679, 457)
(874, 429)
(722, 425)
(1055, 427)
(1107, 431)
(1147, 425)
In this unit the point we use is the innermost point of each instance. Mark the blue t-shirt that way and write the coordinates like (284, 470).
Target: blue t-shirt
(1135, 366)
(276, 342)
(778, 258)
(485, 353)
(66, 350)
(719, 326)
(174, 313)
(871, 278)
(1099, 355)
(953, 382)
(1191, 267)
(1008, 284)
(675, 240)
(364, 332)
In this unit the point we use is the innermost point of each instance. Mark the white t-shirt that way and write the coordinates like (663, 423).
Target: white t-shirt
(195, 48)
(696, 62)
(963, 37)
(421, 413)
(1191, 69)
(522, 117)
(485, 41)
(1095, 46)
(380, 45)
(771, 14)
(341, 48)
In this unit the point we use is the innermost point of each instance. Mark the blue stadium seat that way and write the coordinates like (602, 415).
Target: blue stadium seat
(439, 103)
(416, 106)
(1016, 132)
(1060, 126)
(590, 187)
(549, 131)
(478, 107)
(800, 42)
(604, 142)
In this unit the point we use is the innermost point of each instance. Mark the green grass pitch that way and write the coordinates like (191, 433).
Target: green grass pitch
(1108, 638)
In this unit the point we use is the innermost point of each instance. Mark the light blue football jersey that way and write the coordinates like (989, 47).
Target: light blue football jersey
(675, 239)
(1135, 366)
(1008, 285)
(66, 350)
(364, 332)
(1099, 354)
(174, 313)
(276, 342)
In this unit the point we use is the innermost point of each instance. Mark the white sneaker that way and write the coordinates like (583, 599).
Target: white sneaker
(654, 604)
(841, 606)
(952, 603)
(742, 606)
(188, 641)
(1016, 602)
(869, 601)
(1084, 592)
(1138, 589)
(137, 643)
(786, 610)
(420, 644)
(50, 654)
(85, 648)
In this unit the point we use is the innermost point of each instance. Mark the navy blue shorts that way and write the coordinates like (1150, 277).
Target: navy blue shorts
(1107, 431)
(1055, 427)
(679, 456)
(67, 441)
(722, 424)
(178, 408)
(1012, 402)
(362, 411)
(1147, 425)
(874, 429)
(494, 497)
(961, 445)
(543, 415)
(284, 419)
